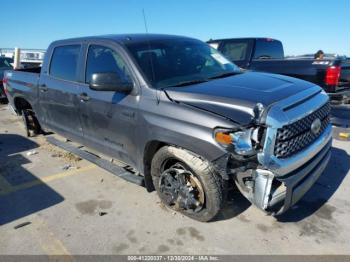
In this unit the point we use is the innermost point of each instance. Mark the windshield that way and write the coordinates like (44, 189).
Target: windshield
(173, 62)
(5, 63)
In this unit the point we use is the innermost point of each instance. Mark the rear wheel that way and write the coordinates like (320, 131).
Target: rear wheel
(187, 183)
(31, 124)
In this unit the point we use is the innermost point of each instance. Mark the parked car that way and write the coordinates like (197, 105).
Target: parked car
(5, 64)
(267, 55)
(185, 117)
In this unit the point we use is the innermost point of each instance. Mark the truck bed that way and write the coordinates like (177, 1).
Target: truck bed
(22, 83)
(306, 69)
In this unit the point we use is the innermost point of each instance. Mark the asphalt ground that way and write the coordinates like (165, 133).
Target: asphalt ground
(53, 203)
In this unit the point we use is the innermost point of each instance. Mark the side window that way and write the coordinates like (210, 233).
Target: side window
(64, 62)
(102, 59)
(235, 51)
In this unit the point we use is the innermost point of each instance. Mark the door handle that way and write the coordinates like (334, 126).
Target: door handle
(43, 88)
(84, 97)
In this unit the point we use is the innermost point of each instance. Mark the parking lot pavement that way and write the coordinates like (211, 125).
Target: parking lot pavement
(53, 203)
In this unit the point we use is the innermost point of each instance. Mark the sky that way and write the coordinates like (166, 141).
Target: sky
(302, 26)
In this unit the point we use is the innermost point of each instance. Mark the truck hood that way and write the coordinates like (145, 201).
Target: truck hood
(235, 97)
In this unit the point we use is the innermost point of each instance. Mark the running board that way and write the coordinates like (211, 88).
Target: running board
(103, 163)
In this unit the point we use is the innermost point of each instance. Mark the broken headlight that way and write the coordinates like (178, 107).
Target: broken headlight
(240, 142)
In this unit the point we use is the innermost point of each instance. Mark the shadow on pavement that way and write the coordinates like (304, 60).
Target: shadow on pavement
(15, 204)
(322, 190)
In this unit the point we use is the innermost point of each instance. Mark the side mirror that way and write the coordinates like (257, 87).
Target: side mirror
(110, 82)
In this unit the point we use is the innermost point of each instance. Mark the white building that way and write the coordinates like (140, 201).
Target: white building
(29, 57)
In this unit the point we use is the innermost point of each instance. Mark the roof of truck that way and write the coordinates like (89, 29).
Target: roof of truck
(125, 38)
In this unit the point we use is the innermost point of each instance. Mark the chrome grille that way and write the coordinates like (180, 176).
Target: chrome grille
(294, 137)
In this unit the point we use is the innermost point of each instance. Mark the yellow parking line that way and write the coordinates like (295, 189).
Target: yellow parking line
(39, 181)
(50, 244)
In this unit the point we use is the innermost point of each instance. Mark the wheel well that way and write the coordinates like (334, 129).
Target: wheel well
(150, 149)
(20, 104)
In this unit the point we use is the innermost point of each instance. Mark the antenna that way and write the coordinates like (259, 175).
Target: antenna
(144, 20)
(149, 50)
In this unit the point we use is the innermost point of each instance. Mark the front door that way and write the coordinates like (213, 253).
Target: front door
(108, 117)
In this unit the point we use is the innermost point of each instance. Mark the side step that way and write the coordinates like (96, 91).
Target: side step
(103, 163)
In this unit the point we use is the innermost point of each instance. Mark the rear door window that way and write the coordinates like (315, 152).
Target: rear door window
(268, 49)
(64, 62)
(103, 59)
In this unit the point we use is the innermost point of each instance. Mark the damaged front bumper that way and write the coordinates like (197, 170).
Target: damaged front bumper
(276, 194)
(298, 182)
(278, 188)
(276, 184)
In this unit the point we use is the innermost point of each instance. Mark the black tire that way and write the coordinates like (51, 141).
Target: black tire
(25, 119)
(3, 100)
(31, 124)
(203, 171)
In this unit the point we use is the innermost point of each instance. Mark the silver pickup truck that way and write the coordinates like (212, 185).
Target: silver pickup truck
(182, 115)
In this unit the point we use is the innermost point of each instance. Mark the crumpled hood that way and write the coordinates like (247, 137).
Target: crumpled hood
(235, 97)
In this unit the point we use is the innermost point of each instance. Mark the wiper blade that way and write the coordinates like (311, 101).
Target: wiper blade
(191, 82)
(224, 75)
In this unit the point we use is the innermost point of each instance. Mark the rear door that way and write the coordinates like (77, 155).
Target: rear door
(59, 91)
(108, 118)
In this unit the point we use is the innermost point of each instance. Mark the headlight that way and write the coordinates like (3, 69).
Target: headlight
(241, 142)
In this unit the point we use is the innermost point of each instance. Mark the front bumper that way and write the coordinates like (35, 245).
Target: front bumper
(297, 183)
(276, 194)
(278, 183)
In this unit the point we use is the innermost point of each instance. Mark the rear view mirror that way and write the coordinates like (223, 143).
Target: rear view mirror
(110, 82)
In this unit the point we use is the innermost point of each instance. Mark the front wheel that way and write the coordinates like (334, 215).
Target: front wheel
(187, 183)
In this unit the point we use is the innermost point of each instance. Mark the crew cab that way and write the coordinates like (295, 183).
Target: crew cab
(188, 120)
(267, 55)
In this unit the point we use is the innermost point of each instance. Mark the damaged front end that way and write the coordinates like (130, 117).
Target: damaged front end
(277, 193)
(255, 185)
(291, 151)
